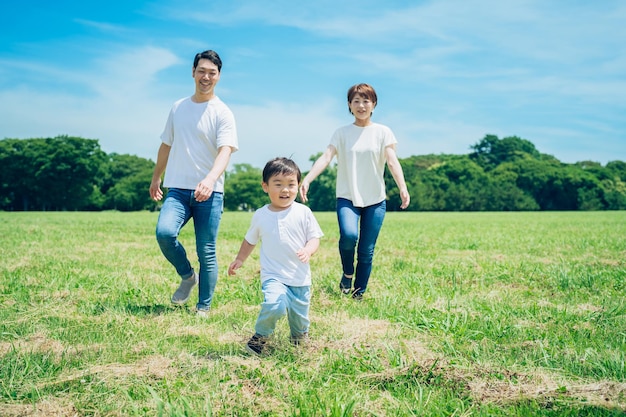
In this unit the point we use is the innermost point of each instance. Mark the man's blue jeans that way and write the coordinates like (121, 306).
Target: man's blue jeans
(180, 206)
(364, 240)
(280, 300)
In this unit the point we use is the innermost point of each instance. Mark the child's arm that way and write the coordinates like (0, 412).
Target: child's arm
(244, 251)
(308, 250)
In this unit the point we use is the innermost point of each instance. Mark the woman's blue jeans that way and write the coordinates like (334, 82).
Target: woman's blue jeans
(180, 206)
(363, 240)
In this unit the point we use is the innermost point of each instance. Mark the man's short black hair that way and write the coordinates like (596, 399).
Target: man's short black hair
(211, 56)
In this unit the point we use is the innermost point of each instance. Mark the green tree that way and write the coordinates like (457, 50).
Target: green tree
(322, 195)
(491, 151)
(506, 195)
(124, 181)
(242, 189)
(49, 174)
(15, 177)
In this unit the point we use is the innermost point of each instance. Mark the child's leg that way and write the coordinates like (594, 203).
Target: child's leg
(298, 311)
(274, 306)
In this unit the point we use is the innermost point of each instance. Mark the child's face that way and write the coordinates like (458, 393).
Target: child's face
(282, 190)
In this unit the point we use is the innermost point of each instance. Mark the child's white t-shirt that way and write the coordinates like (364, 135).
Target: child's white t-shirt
(361, 162)
(282, 234)
(195, 132)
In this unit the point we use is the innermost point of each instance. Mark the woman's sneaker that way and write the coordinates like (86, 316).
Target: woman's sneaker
(345, 285)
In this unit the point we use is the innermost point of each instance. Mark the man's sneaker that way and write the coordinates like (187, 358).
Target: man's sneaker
(300, 340)
(183, 292)
(256, 345)
(203, 312)
(346, 284)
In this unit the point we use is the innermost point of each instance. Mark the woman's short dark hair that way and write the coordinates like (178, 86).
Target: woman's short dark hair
(364, 90)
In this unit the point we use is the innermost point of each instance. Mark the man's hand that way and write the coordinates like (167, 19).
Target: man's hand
(155, 190)
(203, 190)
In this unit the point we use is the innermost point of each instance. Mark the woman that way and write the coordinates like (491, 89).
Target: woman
(362, 149)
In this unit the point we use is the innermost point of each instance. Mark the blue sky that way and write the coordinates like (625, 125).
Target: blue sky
(447, 72)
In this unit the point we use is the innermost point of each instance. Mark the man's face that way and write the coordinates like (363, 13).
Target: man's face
(206, 76)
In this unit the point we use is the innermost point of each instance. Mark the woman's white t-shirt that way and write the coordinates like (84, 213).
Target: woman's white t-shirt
(361, 162)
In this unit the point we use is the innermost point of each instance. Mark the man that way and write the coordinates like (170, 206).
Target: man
(199, 137)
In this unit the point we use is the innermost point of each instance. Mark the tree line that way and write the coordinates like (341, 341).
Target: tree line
(508, 174)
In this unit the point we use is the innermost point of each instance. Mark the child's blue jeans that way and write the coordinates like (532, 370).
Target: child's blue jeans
(279, 300)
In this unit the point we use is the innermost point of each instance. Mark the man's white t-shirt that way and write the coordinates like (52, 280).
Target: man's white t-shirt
(196, 131)
(282, 234)
(361, 162)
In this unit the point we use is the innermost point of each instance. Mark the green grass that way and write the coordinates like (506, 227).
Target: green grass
(482, 314)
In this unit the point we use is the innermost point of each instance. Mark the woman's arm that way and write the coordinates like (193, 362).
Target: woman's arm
(398, 175)
(317, 168)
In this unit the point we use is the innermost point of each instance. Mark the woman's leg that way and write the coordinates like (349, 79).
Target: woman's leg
(371, 222)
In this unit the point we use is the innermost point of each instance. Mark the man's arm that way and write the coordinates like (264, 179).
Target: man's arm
(155, 185)
(204, 189)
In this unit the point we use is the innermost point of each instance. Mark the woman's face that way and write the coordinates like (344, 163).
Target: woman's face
(361, 107)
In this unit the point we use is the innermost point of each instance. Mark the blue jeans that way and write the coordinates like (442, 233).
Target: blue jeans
(371, 219)
(180, 206)
(280, 299)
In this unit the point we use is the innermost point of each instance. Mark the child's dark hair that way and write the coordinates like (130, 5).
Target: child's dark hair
(280, 165)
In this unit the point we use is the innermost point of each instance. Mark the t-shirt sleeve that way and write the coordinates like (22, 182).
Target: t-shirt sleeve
(253, 234)
(313, 228)
(167, 137)
(388, 137)
(335, 138)
(227, 130)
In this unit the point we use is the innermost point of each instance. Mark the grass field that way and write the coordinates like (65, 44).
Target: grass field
(467, 314)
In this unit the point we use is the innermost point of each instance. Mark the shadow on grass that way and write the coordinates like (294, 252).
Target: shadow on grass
(150, 310)
(137, 310)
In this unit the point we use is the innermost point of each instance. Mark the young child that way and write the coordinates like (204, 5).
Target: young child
(290, 235)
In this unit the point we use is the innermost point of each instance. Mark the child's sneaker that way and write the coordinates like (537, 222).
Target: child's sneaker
(346, 284)
(300, 340)
(183, 292)
(256, 345)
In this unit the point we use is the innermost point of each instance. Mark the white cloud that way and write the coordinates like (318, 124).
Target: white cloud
(125, 113)
(447, 73)
(284, 129)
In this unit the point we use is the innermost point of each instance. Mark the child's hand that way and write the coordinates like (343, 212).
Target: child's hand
(303, 255)
(235, 265)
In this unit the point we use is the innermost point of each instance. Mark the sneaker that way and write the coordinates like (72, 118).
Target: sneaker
(256, 345)
(346, 284)
(299, 340)
(183, 292)
(357, 295)
(202, 313)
